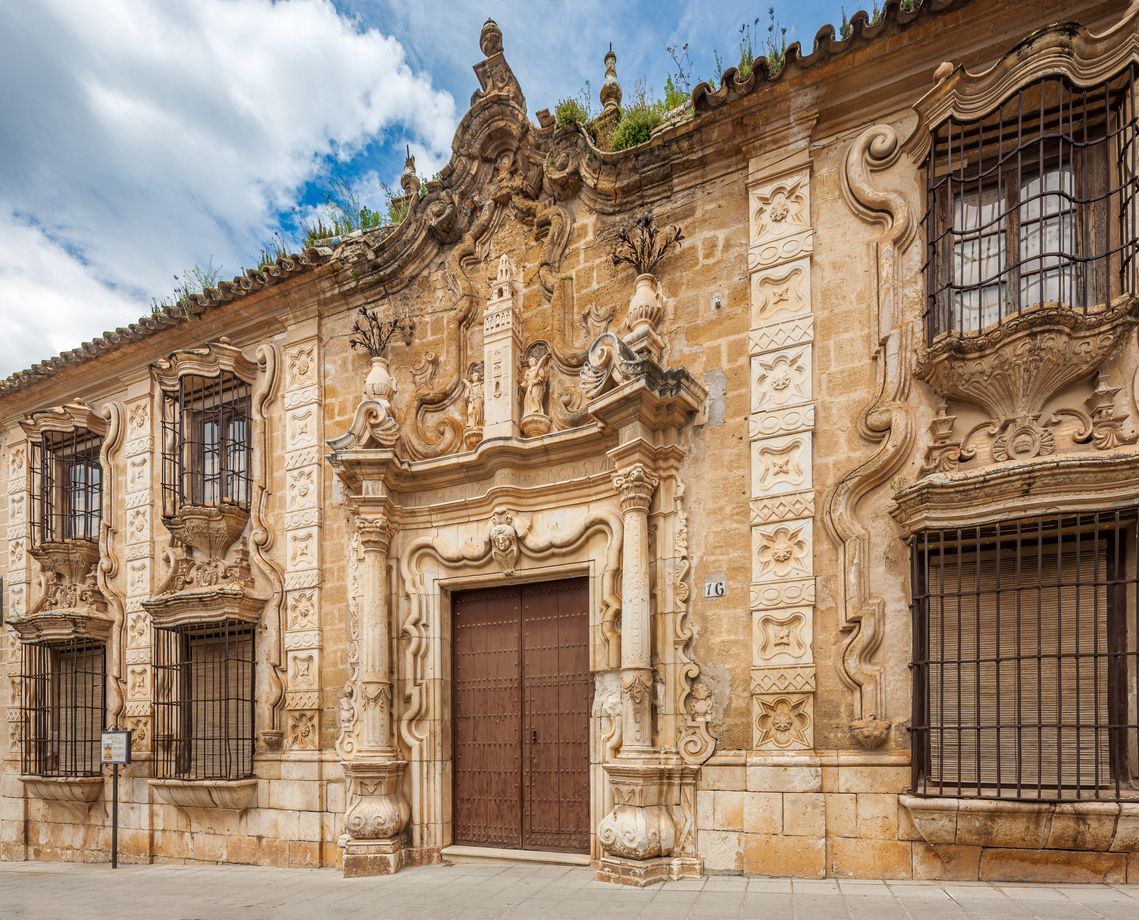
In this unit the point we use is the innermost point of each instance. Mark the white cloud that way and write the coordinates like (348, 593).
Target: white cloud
(148, 136)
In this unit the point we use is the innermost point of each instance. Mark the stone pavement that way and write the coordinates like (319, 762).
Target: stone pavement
(492, 891)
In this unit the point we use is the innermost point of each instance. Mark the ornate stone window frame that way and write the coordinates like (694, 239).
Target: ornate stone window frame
(76, 599)
(1012, 370)
(217, 569)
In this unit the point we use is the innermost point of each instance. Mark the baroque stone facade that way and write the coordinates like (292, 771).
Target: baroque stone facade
(720, 379)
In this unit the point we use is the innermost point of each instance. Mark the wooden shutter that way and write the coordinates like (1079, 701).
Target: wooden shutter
(220, 704)
(1019, 667)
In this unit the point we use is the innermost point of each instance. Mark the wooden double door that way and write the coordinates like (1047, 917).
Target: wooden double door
(521, 697)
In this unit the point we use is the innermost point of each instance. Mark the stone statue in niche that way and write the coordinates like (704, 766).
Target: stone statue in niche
(476, 402)
(535, 381)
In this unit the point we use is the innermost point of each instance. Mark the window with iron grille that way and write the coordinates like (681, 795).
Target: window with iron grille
(1033, 204)
(205, 454)
(66, 487)
(63, 688)
(1024, 660)
(204, 701)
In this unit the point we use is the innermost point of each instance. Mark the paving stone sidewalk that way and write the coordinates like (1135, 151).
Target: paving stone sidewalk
(486, 891)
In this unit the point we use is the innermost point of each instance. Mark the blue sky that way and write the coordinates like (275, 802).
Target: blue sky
(142, 137)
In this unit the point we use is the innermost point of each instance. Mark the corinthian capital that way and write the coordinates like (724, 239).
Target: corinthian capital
(635, 485)
(375, 533)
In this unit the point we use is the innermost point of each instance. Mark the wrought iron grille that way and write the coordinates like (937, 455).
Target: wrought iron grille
(204, 701)
(1024, 659)
(205, 438)
(1033, 204)
(63, 688)
(66, 486)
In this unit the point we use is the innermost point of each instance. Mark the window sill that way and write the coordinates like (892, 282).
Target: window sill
(75, 793)
(234, 794)
(1098, 826)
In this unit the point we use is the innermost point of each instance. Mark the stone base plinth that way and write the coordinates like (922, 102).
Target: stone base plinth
(364, 858)
(642, 872)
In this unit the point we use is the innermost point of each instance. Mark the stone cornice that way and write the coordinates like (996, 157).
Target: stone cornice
(1100, 482)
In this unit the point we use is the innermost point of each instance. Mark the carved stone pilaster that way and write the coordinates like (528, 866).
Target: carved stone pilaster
(781, 430)
(635, 486)
(374, 694)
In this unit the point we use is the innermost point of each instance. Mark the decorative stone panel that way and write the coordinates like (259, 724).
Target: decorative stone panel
(138, 496)
(16, 577)
(780, 427)
(303, 485)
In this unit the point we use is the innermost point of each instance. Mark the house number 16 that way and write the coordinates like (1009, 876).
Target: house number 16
(716, 586)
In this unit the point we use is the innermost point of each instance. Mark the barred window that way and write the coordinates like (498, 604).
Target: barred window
(1033, 204)
(205, 457)
(204, 701)
(62, 704)
(66, 486)
(1024, 660)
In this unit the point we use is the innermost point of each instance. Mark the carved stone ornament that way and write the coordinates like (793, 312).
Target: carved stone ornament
(535, 383)
(75, 794)
(503, 534)
(608, 364)
(210, 360)
(373, 425)
(639, 826)
(1014, 370)
(234, 795)
(377, 807)
(888, 420)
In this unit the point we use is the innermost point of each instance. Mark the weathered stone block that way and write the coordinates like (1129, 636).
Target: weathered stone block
(946, 862)
(804, 814)
(841, 814)
(878, 815)
(850, 857)
(784, 779)
(763, 813)
(1052, 866)
(776, 854)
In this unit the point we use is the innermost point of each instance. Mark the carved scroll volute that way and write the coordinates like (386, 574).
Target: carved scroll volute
(108, 568)
(888, 421)
(261, 538)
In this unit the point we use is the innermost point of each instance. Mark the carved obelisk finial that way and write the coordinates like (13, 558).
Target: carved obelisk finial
(610, 89)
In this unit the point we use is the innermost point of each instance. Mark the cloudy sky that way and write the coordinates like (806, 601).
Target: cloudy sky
(139, 138)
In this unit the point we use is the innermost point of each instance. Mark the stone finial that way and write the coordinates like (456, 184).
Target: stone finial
(944, 69)
(490, 39)
(611, 89)
(409, 180)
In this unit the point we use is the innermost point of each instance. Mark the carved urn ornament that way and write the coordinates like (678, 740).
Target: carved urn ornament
(374, 425)
(641, 244)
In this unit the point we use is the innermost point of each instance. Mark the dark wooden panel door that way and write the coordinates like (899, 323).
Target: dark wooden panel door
(521, 697)
(557, 690)
(486, 712)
